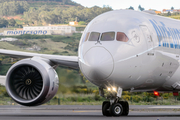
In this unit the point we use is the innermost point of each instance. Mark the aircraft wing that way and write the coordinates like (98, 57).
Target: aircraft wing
(68, 61)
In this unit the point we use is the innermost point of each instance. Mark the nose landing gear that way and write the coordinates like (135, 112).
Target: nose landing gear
(115, 107)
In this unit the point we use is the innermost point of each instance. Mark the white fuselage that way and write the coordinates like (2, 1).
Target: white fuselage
(148, 61)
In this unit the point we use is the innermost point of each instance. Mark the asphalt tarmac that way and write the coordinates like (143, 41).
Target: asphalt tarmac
(81, 112)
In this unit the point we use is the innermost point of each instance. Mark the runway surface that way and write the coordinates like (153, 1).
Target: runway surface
(81, 112)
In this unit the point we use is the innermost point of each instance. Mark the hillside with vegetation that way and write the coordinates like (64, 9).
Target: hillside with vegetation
(44, 12)
(63, 2)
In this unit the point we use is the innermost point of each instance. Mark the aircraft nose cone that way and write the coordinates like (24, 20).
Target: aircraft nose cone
(98, 64)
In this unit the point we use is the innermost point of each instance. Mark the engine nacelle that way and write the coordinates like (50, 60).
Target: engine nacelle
(32, 82)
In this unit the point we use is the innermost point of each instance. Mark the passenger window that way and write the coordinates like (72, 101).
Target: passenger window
(121, 37)
(108, 36)
(87, 36)
(94, 36)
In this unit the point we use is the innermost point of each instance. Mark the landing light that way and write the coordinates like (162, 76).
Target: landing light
(114, 89)
(109, 89)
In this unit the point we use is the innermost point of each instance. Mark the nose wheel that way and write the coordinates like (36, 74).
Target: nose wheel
(125, 106)
(106, 108)
(121, 108)
(116, 109)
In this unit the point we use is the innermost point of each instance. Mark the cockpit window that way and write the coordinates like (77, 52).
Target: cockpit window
(121, 37)
(87, 36)
(94, 36)
(108, 36)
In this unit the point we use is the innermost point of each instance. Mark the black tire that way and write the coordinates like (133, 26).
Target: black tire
(125, 106)
(105, 108)
(116, 109)
(105, 103)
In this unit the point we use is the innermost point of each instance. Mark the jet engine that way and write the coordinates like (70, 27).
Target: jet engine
(32, 82)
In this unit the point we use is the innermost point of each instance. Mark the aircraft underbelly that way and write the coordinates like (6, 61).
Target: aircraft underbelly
(139, 73)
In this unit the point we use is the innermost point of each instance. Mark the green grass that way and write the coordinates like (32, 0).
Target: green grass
(6, 45)
(88, 99)
(4, 69)
(50, 44)
(175, 17)
(74, 98)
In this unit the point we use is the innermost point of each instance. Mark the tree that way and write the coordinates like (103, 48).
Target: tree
(13, 7)
(62, 15)
(140, 8)
(3, 23)
(169, 13)
(12, 22)
(131, 8)
(172, 8)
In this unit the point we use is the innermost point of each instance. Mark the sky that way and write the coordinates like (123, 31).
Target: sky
(123, 4)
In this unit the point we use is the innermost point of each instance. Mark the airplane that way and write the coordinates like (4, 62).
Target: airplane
(120, 50)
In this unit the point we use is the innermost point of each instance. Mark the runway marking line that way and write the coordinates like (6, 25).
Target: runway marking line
(84, 111)
(170, 107)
